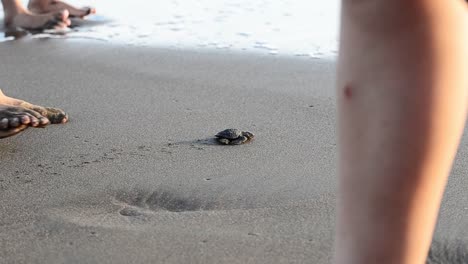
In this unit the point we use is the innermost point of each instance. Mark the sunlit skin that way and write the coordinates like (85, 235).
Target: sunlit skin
(402, 99)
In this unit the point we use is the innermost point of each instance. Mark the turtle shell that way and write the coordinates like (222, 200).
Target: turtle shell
(230, 133)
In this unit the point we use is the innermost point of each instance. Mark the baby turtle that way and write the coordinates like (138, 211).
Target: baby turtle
(232, 136)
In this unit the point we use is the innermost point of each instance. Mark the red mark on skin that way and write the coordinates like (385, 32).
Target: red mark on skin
(348, 92)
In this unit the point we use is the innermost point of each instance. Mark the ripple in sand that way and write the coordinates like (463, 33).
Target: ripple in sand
(448, 252)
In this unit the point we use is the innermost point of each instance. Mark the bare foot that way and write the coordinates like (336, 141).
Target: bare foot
(48, 6)
(15, 119)
(27, 20)
(54, 115)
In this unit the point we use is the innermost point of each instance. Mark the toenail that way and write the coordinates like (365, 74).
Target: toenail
(14, 122)
(4, 123)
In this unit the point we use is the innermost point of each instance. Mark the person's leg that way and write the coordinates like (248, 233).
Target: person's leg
(402, 99)
(54, 115)
(17, 16)
(47, 6)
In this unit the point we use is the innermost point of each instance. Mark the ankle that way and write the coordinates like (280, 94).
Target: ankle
(11, 13)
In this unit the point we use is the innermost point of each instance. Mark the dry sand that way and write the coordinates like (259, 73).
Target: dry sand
(136, 178)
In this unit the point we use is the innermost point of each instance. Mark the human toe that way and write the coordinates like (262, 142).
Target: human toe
(14, 122)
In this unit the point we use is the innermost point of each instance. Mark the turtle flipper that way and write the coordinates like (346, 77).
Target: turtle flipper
(224, 141)
(239, 140)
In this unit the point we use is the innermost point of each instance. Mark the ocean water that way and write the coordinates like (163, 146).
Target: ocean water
(306, 28)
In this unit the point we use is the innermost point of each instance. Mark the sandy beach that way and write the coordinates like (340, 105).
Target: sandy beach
(135, 176)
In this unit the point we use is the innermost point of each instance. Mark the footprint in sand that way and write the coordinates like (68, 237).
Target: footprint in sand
(133, 208)
(162, 200)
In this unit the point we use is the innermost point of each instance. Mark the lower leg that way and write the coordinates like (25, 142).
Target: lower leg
(402, 105)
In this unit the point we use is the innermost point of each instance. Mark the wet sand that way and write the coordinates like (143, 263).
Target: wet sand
(135, 176)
